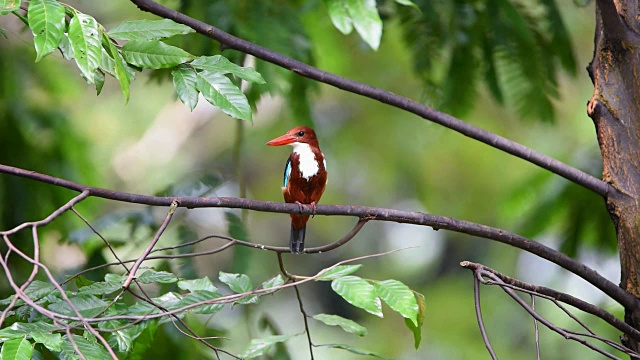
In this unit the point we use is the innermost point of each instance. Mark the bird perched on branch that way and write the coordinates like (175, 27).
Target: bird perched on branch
(305, 177)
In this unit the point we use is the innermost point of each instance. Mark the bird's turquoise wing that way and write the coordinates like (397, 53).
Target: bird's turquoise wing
(287, 173)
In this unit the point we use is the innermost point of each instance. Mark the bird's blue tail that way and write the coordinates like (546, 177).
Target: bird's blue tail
(296, 243)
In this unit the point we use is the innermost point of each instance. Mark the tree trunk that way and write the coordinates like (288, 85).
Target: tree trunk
(615, 110)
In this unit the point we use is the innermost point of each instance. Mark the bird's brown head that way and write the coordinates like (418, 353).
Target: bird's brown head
(299, 134)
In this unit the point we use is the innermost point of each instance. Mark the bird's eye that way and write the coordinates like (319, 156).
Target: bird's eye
(301, 133)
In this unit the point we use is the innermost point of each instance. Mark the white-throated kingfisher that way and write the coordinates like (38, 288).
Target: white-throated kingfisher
(305, 177)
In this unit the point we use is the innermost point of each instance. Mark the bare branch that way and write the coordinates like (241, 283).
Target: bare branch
(559, 296)
(563, 332)
(483, 332)
(231, 42)
(306, 322)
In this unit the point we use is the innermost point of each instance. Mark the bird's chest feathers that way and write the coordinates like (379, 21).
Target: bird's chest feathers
(307, 163)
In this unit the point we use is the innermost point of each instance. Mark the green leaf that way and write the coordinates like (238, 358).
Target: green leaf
(87, 305)
(417, 330)
(202, 284)
(46, 20)
(222, 65)
(101, 288)
(185, 80)
(273, 282)
(366, 20)
(154, 54)
(85, 42)
(361, 14)
(120, 339)
(218, 90)
(399, 297)
(89, 349)
(408, 3)
(148, 30)
(65, 47)
(107, 64)
(39, 289)
(358, 292)
(200, 296)
(98, 77)
(18, 330)
(354, 350)
(152, 276)
(7, 6)
(339, 15)
(258, 347)
(239, 283)
(16, 349)
(144, 340)
(338, 272)
(53, 342)
(346, 324)
(121, 67)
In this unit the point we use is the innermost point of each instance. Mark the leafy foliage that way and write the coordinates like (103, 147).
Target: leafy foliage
(97, 53)
(514, 46)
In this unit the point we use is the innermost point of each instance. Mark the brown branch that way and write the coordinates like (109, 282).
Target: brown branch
(306, 322)
(563, 332)
(381, 214)
(483, 332)
(229, 41)
(559, 296)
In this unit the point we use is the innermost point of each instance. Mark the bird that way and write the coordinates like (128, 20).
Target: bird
(305, 178)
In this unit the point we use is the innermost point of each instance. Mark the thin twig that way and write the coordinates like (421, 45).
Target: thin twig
(84, 193)
(153, 242)
(535, 328)
(483, 332)
(306, 323)
(105, 241)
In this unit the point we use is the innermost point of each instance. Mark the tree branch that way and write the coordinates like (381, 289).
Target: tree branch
(569, 335)
(559, 296)
(369, 213)
(231, 42)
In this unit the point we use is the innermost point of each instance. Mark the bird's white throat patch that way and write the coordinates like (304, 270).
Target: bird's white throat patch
(308, 164)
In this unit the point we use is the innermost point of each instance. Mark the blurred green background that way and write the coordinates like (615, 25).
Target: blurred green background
(52, 122)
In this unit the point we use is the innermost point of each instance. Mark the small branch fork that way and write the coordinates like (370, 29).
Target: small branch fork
(488, 276)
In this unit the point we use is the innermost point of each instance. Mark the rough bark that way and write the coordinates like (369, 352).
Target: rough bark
(615, 111)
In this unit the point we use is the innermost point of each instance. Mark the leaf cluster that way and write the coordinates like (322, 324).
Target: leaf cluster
(516, 48)
(98, 53)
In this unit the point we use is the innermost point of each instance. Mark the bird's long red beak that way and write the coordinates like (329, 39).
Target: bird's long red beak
(285, 139)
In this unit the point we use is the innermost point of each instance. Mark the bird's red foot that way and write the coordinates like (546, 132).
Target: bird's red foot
(313, 207)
